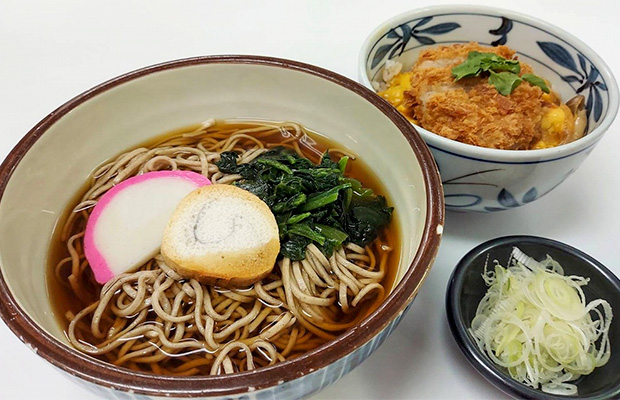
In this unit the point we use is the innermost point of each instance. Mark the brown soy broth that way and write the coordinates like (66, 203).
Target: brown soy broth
(312, 145)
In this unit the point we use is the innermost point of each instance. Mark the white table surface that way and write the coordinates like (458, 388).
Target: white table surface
(51, 51)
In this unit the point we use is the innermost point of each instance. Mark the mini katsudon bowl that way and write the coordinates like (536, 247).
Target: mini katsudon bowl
(503, 175)
(70, 178)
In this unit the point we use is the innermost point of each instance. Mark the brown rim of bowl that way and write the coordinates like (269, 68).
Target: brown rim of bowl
(99, 372)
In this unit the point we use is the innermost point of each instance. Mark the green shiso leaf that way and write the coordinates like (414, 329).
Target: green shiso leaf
(503, 73)
(536, 81)
(504, 82)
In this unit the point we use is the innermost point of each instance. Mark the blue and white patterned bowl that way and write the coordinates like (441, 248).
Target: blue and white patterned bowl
(483, 179)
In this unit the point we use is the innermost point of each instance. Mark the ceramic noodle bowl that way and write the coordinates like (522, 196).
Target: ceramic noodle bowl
(42, 174)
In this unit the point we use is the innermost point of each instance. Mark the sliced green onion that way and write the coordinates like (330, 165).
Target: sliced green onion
(535, 322)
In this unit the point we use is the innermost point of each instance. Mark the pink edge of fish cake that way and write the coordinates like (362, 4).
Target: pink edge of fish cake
(97, 261)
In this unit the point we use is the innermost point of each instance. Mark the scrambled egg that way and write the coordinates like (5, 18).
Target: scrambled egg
(471, 110)
(395, 94)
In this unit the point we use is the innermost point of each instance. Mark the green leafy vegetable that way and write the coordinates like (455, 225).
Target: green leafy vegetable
(318, 200)
(478, 63)
(275, 164)
(365, 218)
(311, 203)
(228, 162)
(297, 218)
(503, 73)
(305, 230)
(331, 233)
(342, 164)
(290, 203)
(504, 82)
(536, 81)
(333, 237)
(294, 247)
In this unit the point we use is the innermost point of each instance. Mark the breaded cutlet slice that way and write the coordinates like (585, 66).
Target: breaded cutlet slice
(471, 110)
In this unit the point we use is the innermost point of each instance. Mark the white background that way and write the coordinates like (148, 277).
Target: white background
(50, 51)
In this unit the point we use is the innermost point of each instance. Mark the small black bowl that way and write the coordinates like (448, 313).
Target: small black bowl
(466, 288)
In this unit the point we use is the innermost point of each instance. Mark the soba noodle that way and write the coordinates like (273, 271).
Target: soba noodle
(153, 319)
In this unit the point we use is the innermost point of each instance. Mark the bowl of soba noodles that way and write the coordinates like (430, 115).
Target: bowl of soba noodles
(216, 227)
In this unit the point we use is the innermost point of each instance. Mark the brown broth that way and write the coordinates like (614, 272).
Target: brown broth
(313, 146)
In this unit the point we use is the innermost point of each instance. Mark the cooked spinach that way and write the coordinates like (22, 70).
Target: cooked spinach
(312, 203)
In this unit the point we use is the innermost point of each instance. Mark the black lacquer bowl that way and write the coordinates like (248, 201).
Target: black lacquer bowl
(466, 288)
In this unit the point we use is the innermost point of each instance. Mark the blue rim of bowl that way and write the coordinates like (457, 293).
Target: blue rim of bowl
(542, 161)
(479, 360)
(107, 375)
(477, 153)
